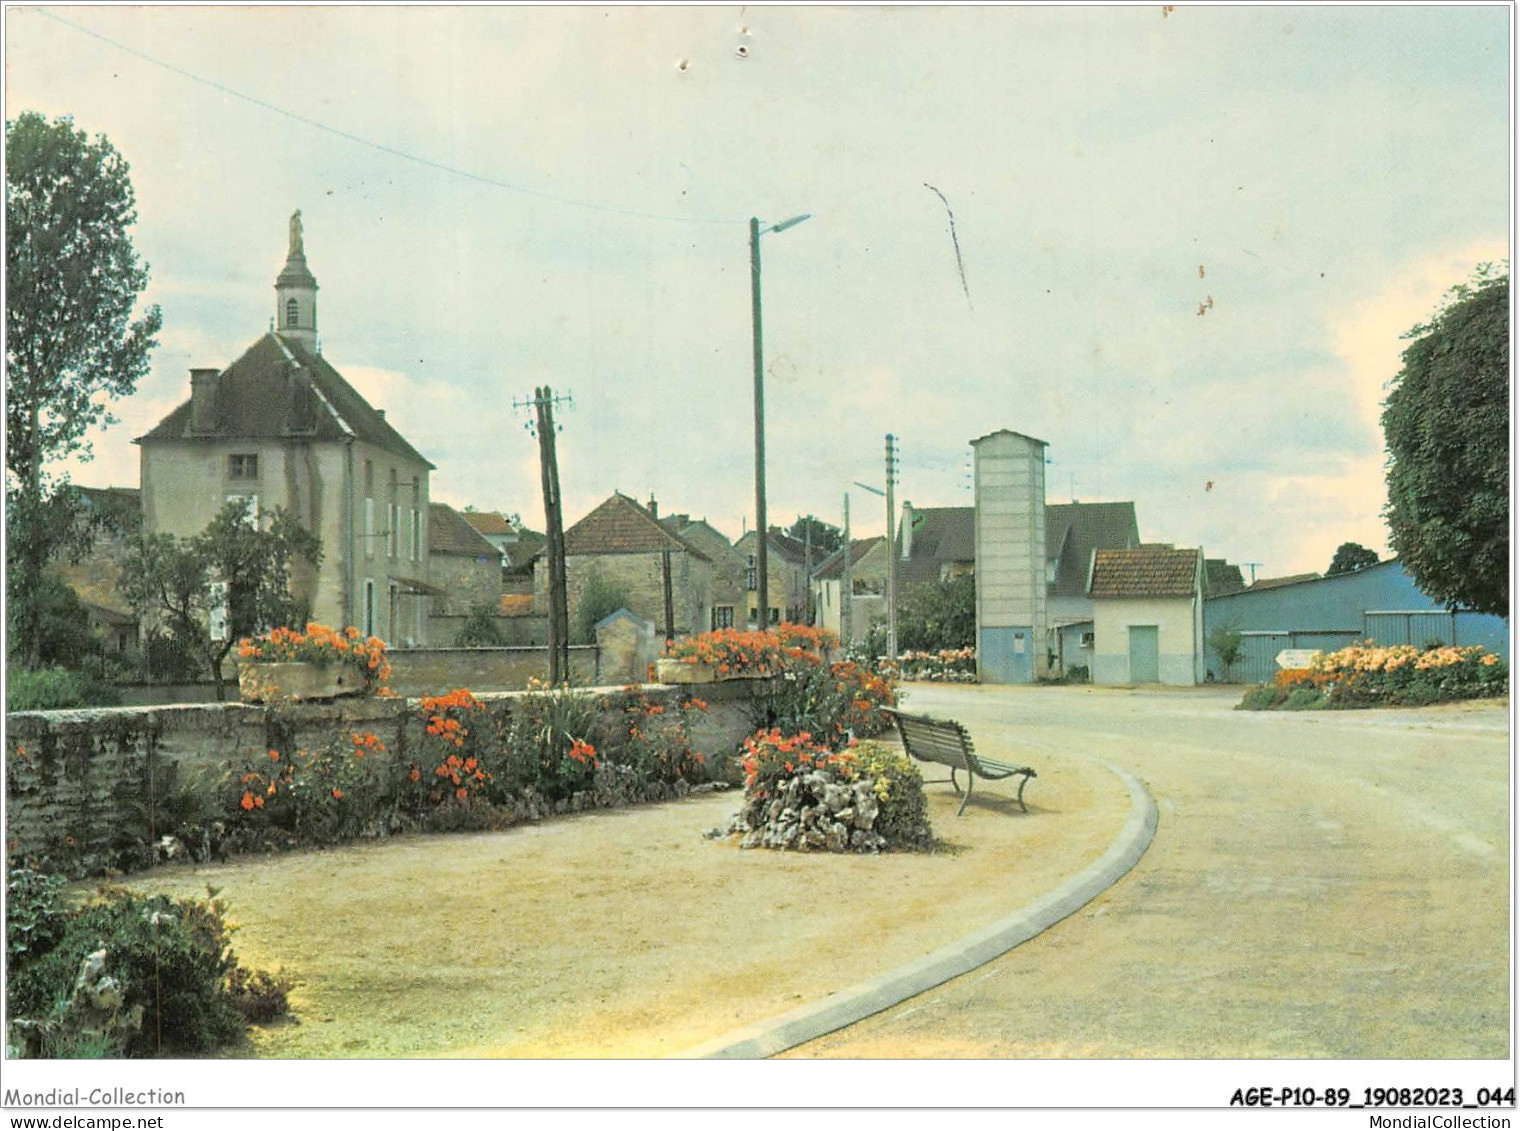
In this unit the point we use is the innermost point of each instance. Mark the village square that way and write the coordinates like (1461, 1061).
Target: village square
(575, 659)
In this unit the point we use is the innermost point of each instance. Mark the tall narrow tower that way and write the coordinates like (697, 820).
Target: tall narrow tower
(1010, 557)
(296, 292)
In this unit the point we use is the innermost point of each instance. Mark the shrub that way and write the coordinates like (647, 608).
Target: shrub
(765, 652)
(904, 815)
(1364, 675)
(599, 599)
(56, 689)
(548, 743)
(333, 793)
(134, 975)
(652, 741)
(480, 629)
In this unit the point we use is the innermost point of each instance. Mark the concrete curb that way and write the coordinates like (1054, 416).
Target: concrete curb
(807, 1022)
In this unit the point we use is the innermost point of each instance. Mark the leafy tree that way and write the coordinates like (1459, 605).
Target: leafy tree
(826, 538)
(72, 282)
(937, 615)
(600, 598)
(1350, 557)
(1228, 643)
(180, 580)
(1446, 424)
(480, 629)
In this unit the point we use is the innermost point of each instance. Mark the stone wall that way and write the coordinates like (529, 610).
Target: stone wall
(433, 671)
(85, 784)
(468, 580)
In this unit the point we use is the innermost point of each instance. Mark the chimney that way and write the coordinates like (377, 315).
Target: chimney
(654, 507)
(203, 400)
(381, 411)
(905, 530)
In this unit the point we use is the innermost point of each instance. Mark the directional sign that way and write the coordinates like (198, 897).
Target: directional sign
(1296, 657)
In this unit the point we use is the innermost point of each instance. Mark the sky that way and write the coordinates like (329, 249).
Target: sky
(1191, 239)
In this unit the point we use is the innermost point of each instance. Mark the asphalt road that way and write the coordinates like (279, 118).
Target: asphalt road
(1322, 884)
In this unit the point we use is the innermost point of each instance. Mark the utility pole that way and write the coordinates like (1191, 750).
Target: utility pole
(807, 573)
(543, 403)
(670, 613)
(762, 570)
(847, 582)
(891, 548)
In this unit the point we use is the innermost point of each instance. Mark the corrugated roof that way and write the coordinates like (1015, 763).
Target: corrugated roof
(621, 526)
(1145, 571)
(1275, 582)
(259, 397)
(449, 533)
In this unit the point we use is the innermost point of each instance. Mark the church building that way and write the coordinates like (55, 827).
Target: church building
(280, 427)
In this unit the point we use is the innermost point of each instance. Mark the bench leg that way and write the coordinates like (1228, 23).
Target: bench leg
(953, 782)
(970, 778)
(1022, 783)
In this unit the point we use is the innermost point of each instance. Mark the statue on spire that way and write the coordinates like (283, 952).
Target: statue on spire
(297, 245)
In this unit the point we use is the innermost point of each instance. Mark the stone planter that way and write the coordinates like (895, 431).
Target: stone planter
(677, 672)
(291, 682)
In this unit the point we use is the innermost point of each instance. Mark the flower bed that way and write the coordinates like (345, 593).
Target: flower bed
(948, 665)
(729, 653)
(1365, 675)
(800, 795)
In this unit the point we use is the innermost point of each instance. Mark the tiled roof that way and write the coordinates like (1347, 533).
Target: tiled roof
(449, 533)
(488, 522)
(940, 534)
(621, 526)
(515, 605)
(1145, 571)
(257, 397)
(1222, 577)
(520, 554)
(833, 566)
(793, 549)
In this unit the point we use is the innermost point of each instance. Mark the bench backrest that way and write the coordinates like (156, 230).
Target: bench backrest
(935, 740)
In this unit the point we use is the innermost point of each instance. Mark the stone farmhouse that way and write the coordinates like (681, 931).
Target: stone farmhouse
(466, 571)
(622, 545)
(280, 427)
(868, 573)
(729, 571)
(787, 586)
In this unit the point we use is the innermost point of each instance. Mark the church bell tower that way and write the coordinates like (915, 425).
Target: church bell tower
(295, 290)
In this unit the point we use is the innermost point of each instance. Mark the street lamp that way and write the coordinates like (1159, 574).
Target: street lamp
(762, 530)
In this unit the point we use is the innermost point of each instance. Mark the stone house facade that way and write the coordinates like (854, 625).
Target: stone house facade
(280, 427)
(466, 570)
(787, 584)
(621, 545)
(728, 570)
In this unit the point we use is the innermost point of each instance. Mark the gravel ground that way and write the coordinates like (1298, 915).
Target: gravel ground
(625, 933)
(1327, 884)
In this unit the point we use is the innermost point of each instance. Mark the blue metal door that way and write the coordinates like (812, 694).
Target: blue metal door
(1144, 654)
(1008, 655)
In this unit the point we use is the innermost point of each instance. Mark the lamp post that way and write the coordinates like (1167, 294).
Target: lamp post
(762, 530)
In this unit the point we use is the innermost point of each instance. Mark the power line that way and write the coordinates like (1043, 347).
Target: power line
(377, 145)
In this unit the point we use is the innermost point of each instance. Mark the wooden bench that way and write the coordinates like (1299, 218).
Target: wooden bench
(946, 742)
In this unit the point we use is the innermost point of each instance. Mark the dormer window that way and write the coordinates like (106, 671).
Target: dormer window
(292, 314)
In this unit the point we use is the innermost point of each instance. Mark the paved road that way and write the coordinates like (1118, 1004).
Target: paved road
(1321, 885)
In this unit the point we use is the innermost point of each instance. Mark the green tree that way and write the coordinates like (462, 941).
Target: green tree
(1350, 557)
(600, 598)
(1446, 425)
(72, 283)
(1228, 643)
(229, 581)
(826, 538)
(937, 615)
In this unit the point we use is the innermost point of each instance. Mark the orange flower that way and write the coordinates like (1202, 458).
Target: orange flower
(415, 774)
(247, 802)
(338, 794)
(461, 793)
(274, 755)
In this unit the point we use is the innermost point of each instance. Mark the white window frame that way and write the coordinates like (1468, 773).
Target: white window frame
(416, 535)
(250, 505)
(369, 528)
(393, 531)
